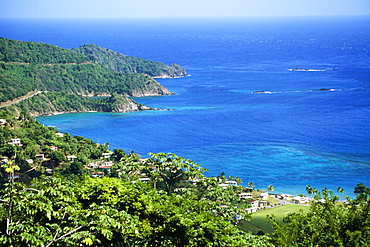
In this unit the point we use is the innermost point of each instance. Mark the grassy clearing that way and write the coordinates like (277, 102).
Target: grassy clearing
(260, 223)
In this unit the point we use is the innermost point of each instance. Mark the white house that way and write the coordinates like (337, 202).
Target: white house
(245, 195)
(251, 210)
(97, 164)
(264, 196)
(97, 174)
(228, 183)
(4, 160)
(145, 180)
(71, 157)
(254, 203)
(59, 134)
(300, 199)
(15, 142)
(54, 148)
(106, 155)
(231, 183)
(286, 197)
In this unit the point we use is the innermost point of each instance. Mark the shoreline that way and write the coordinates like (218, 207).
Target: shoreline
(68, 112)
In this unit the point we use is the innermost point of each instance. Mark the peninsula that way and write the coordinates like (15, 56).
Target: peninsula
(84, 79)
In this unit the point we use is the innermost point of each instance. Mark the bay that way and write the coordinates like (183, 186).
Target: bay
(290, 134)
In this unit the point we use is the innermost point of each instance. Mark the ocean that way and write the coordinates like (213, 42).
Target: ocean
(244, 109)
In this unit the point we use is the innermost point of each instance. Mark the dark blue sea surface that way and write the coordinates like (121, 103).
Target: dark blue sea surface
(243, 111)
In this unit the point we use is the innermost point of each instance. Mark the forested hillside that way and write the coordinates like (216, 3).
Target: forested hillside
(118, 62)
(29, 66)
(63, 190)
(60, 190)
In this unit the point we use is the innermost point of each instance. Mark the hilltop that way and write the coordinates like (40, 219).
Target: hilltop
(66, 80)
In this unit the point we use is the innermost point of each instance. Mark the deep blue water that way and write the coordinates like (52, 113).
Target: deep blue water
(290, 137)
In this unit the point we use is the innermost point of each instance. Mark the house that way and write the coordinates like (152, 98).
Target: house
(106, 155)
(97, 174)
(97, 164)
(4, 160)
(40, 156)
(105, 168)
(71, 157)
(228, 183)
(264, 196)
(245, 195)
(251, 210)
(253, 203)
(223, 185)
(54, 148)
(263, 204)
(16, 175)
(59, 134)
(16, 142)
(237, 217)
(300, 199)
(286, 197)
(145, 180)
(2, 121)
(231, 183)
(49, 171)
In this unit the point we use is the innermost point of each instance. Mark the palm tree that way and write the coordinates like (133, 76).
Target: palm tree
(270, 188)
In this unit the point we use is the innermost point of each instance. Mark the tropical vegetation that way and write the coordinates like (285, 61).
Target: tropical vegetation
(62, 190)
(86, 71)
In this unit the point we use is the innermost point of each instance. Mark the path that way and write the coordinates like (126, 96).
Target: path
(19, 99)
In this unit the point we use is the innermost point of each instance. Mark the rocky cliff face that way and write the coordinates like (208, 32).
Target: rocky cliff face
(152, 88)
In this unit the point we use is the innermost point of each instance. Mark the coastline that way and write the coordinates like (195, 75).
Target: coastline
(68, 112)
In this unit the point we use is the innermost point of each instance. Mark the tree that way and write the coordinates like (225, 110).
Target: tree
(171, 170)
(270, 188)
(328, 223)
(118, 154)
(74, 170)
(107, 211)
(361, 189)
(57, 156)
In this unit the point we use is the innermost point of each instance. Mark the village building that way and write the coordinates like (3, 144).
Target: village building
(97, 164)
(40, 157)
(106, 155)
(4, 160)
(145, 180)
(71, 157)
(16, 175)
(59, 134)
(245, 195)
(105, 168)
(54, 148)
(300, 199)
(228, 183)
(97, 174)
(264, 195)
(16, 142)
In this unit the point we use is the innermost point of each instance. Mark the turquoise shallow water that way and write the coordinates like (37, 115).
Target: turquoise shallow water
(290, 137)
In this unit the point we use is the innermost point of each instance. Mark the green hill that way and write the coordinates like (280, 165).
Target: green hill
(116, 61)
(86, 71)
